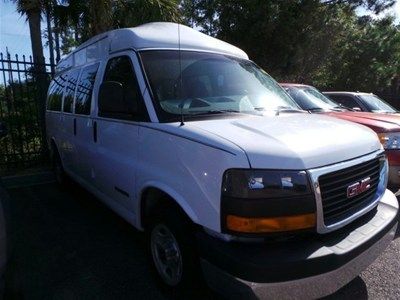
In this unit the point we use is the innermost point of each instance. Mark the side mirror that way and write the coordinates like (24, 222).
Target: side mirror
(3, 130)
(113, 102)
(356, 109)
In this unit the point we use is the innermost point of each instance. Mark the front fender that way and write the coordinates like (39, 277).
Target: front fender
(177, 197)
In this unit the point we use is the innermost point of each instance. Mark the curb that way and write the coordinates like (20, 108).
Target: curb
(17, 181)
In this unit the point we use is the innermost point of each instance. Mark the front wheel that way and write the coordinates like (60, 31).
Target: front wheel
(173, 251)
(166, 254)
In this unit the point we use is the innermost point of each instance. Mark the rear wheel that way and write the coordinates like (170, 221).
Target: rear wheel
(58, 167)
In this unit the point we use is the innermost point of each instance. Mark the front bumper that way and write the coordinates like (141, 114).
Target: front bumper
(308, 267)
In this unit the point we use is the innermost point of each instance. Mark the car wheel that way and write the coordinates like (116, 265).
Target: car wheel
(166, 254)
(173, 252)
(58, 168)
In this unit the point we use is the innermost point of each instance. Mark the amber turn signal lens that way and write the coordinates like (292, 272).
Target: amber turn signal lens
(264, 225)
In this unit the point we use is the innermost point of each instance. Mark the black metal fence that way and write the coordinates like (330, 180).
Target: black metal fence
(23, 87)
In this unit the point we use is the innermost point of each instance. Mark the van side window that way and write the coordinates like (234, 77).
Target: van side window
(69, 92)
(56, 88)
(85, 89)
(120, 69)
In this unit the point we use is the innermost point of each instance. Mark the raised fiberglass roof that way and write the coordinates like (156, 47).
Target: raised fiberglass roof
(166, 35)
(157, 35)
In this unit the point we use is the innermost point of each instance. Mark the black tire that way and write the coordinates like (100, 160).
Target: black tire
(58, 168)
(174, 221)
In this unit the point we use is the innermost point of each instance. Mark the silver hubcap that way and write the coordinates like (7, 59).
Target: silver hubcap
(166, 255)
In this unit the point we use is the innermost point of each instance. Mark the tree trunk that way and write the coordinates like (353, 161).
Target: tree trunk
(57, 41)
(76, 34)
(100, 16)
(39, 68)
(36, 38)
(56, 33)
(50, 38)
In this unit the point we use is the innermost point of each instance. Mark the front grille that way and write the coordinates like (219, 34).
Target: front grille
(333, 186)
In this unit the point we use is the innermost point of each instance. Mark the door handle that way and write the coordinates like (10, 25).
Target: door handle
(95, 131)
(74, 126)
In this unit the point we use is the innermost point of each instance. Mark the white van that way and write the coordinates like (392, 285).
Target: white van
(187, 139)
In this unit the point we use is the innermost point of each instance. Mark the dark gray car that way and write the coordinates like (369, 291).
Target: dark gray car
(361, 102)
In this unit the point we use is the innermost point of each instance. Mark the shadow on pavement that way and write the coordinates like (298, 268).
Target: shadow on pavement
(67, 245)
(356, 289)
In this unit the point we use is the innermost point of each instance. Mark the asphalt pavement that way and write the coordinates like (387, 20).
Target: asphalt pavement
(67, 245)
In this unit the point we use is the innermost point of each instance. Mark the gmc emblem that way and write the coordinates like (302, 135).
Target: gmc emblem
(358, 187)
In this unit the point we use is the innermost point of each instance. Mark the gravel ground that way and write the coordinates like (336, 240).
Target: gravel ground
(67, 245)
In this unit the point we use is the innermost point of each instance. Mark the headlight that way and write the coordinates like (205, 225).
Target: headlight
(390, 140)
(265, 201)
(264, 183)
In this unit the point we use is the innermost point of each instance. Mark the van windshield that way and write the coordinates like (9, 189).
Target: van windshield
(195, 83)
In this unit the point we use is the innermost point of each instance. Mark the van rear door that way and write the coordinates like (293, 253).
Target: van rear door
(82, 124)
(65, 128)
(54, 115)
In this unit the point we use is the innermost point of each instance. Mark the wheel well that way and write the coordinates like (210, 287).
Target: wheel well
(155, 201)
(53, 147)
(54, 152)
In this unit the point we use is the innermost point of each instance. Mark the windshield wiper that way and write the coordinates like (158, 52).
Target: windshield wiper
(217, 111)
(341, 107)
(286, 109)
(315, 109)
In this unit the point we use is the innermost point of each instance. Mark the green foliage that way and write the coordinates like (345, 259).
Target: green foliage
(366, 58)
(133, 13)
(317, 42)
(88, 18)
(376, 6)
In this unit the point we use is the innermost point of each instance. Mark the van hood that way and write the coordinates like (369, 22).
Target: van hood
(377, 122)
(292, 140)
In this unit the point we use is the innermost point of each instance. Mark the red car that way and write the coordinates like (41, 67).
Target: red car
(387, 126)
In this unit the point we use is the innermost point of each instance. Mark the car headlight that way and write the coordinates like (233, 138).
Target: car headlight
(264, 183)
(390, 140)
(266, 201)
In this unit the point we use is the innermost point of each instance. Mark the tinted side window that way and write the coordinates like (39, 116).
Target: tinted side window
(85, 89)
(120, 69)
(50, 93)
(56, 88)
(70, 90)
(346, 101)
